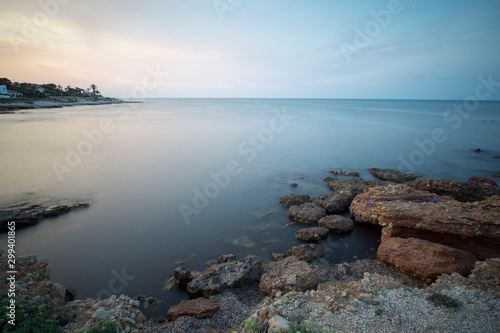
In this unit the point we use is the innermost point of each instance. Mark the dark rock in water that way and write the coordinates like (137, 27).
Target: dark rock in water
(146, 302)
(477, 150)
(335, 202)
(409, 213)
(226, 258)
(293, 185)
(286, 275)
(424, 259)
(198, 308)
(181, 278)
(307, 252)
(294, 199)
(356, 186)
(344, 172)
(336, 223)
(217, 278)
(461, 191)
(279, 256)
(30, 215)
(392, 175)
(480, 180)
(496, 174)
(312, 234)
(308, 213)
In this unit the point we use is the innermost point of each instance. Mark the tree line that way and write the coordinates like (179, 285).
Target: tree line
(49, 89)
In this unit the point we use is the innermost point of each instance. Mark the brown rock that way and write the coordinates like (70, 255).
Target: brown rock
(424, 259)
(294, 199)
(198, 308)
(307, 252)
(286, 275)
(335, 202)
(356, 186)
(461, 191)
(312, 234)
(392, 175)
(336, 223)
(480, 180)
(405, 212)
(308, 213)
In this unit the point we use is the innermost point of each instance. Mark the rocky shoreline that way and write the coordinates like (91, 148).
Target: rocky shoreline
(53, 102)
(437, 269)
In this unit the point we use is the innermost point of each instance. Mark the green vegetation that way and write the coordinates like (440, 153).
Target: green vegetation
(107, 327)
(439, 299)
(35, 90)
(307, 326)
(379, 312)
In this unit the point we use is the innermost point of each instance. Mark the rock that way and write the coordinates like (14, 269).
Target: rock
(424, 259)
(335, 202)
(343, 172)
(405, 212)
(391, 175)
(477, 150)
(279, 256)
(369, 299)
(312, 234)
(102, 314)
(482, 180)
(294, 199)
(198, 308)
(461, 191)
(293, 185)
(336, 223)
(307, 252)
(150, 301)
(181, 278)
(278, 322)
(289, 274)
(215, 279)
(496, 174)
(308, 213)
(226, 258)
(356, 186)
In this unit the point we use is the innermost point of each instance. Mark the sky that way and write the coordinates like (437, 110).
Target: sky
(255, 48)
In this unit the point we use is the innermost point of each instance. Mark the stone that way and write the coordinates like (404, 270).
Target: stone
(336, 223)
(369, 299)
(405, 212)
(199, 308)
(424, 259)
(312, 234)
(484, 180)
(461, 191)
(288, 274)
(294, 199)
(102, 314)
(335, 202)
(392, 175)
(307, 252)
(279, 323)
(356, 186)
(215, 279)
(181, 278)
(344, 172)
(308, 213)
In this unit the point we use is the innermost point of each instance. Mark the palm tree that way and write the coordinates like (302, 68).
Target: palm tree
(93, 87)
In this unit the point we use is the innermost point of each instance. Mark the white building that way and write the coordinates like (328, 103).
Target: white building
(4, 93)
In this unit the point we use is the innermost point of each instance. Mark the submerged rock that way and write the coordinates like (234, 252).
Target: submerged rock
(344, 172)
(392, 175)
(308, 213)
(240, 241)
(336, 223)
(461, 191)
(479, 180)
(181, 278)
(312, 234)
(294, 199)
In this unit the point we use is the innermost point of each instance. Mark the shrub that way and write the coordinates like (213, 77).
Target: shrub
(439, 299)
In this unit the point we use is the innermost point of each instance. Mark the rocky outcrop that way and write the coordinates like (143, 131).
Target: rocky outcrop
(356, 186)
(336, 223)
(307, 252)
(216, 278)
(308, 213)
(199, 308)
(392, 175)
(286, 275)
(461, 191)
(424, 259)
(294, 199)
(181, 278)
(405, 212)
(479, 180)
(312, 234)
(335, 202)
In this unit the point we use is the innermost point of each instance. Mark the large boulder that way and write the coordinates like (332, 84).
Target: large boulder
(405, 212)
(336, 223)
(199, 308)
(216, 278)
(461, 191)
(294, 199)
(392, 175)
(423, 259)
(286, 275)
(335, 202)
(307, 252)
(312, 234)
(308, 213)
(356, 186)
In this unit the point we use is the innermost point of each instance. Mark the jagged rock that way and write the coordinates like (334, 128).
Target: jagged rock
(286, 275)
(312, 234)
(461, 191)
(336, 223)
(343, 172)
(369, 299)
(423, 259)
(198, 308)
(278, 322)
(307, 252)
(294, 199)
(356, 186)
(392, 175)
(405, 212)
(215, 279)
(181, 278)
(335, 202)
(479, 180)
(226, 258)
(308, 213)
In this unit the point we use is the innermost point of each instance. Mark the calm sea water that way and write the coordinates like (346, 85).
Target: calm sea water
(190, 179)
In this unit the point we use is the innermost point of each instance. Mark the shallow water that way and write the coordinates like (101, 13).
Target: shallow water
(138, 163)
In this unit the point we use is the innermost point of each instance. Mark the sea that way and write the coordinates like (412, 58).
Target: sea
(184, 181)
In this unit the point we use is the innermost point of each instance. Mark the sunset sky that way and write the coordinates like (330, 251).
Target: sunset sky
(254, 48)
